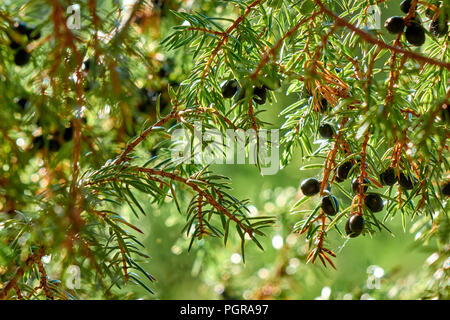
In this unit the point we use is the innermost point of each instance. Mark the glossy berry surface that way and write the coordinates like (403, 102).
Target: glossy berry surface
(21, 57)
(229, 88)
(87, 64)
(260, 94)
(405, 182)
(415, 34)
(329, 205)
(374, 202)
(310, 186)
(395, 25)
(344, 169)
(348, 231)
(388, 177)
(355, 185)
(326, 131)
(354, 226)
(405, 6)
(240, 94)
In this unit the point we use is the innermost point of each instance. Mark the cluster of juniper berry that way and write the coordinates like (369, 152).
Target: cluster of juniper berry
(415, 33)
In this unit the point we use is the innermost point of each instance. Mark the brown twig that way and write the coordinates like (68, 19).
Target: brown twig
(224, 39)
(272, 52)
(205, 30)
(322, 45)
(363, 172)
(43, 280)
(370, 39)
(12, 283)
(201, 192)
(319, 250)
(130, 147)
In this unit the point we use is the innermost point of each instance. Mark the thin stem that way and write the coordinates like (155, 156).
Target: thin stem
(368, 38)
(201, 192)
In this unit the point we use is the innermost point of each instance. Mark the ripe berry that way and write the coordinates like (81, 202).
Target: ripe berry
(38, 142)
(374, 202)
(405, 6)
(439, 28)
(23, 103)
(229, 88)
(329, 205)
(446, 189)
(388, 177)
(68, 133)
(87, 64)
(343, 170)
(347, 227)
(395, 25)
(31, 33)
(405, 182)
(261, 94)
(415, 34)
(310, 187)
(240, 94)
(326, 131)
(355, 185)
(354, 226)
(21, 57)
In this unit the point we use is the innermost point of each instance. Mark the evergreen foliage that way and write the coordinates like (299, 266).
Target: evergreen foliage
(87, 116)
